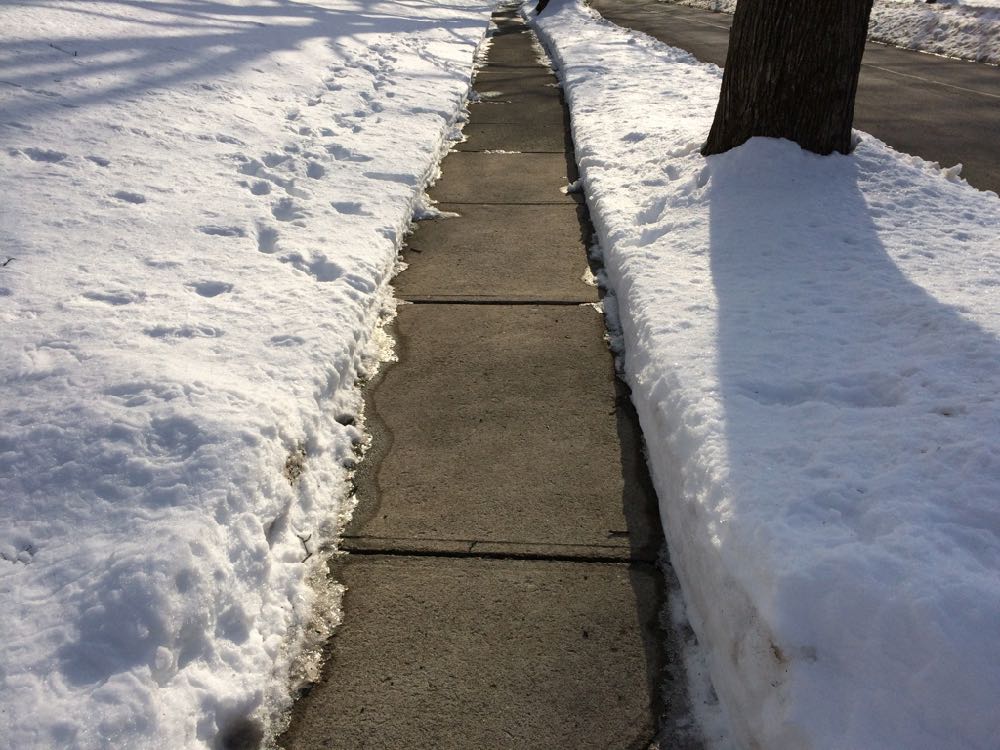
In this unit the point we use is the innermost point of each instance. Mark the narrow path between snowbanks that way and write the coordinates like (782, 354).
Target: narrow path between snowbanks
(203, 202)
(504, 590)
(812, 347)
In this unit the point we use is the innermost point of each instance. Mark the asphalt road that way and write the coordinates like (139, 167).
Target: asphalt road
(944, 110)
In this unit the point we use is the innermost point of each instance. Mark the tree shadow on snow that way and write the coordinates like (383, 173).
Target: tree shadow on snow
(838, 376)
(188, 42)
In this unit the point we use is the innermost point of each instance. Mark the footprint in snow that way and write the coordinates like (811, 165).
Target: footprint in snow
(340, 153)
(285, 209)
(286, 340)
(267, 239)
(210, 288)
(274, 159)
(129, 197)
(116, 298)
(183, 332)
(161, 263)
(21, 552)
(41, 154)
(221, 231)
(350, 207)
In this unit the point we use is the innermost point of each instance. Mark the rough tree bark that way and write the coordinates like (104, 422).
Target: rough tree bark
(791, 72)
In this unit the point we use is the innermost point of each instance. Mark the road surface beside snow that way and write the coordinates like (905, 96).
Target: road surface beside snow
(204, 202)
(969, 30)
(812, 346)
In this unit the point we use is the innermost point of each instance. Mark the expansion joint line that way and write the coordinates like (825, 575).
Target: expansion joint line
(519, 556)
(499, 302)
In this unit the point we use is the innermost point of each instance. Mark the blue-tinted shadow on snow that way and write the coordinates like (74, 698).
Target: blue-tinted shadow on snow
(189, 42)
(851, 400)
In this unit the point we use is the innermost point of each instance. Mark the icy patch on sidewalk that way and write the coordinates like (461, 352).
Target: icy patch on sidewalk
(204, 203)
(811, 343)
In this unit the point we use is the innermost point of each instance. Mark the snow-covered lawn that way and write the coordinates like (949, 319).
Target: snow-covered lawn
(203, 201)
(969, 29)
(812, 344)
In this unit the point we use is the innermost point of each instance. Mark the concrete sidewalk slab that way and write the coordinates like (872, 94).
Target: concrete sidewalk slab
(503, 424)
(509, 83)
(476, 254)
(459, 654)
(514, 49)
(547, 138)
(534, 114)
(475, 177)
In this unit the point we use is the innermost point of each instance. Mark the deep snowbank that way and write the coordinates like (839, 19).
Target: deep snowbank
(203, 201)
(812, 346)
(970, 30)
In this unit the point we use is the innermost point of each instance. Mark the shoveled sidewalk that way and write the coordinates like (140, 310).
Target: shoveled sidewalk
(503, 590)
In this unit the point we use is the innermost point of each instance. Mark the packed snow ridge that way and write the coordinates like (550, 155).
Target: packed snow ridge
(203, 202)
(812, 346)
(969, 29)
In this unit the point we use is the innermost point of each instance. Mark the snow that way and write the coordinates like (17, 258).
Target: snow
(203, 202)
(811, 343)
(969, 30)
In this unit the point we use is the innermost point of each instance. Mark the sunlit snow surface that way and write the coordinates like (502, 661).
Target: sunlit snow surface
(813, 347)
(203, 201)
(969, 29)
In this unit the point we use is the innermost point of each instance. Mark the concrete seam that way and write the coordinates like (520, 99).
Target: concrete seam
(493, 151)
(508, 203)
(511, 556)
(430, 300)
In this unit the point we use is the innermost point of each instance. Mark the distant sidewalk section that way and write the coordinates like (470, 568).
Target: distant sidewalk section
(969, 30)
(811, 344)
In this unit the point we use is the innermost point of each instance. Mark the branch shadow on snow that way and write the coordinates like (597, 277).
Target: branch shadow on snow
(847, 390)
(188, 42)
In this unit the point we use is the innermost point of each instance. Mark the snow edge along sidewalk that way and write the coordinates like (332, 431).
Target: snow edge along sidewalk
(182, 409)
(809, 349)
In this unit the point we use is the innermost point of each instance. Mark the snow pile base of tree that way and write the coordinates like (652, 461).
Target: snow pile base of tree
(812, 346)
(203, 202)
(969, 30)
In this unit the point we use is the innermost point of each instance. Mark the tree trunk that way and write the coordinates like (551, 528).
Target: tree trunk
(791, 72)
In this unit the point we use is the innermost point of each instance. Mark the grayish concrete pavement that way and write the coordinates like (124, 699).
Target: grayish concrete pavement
(501, 563)
(526, 655)
(473, 256)
(518, 178)
(521, 107)
(514, 136)
(503, 429)
(943, 110)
